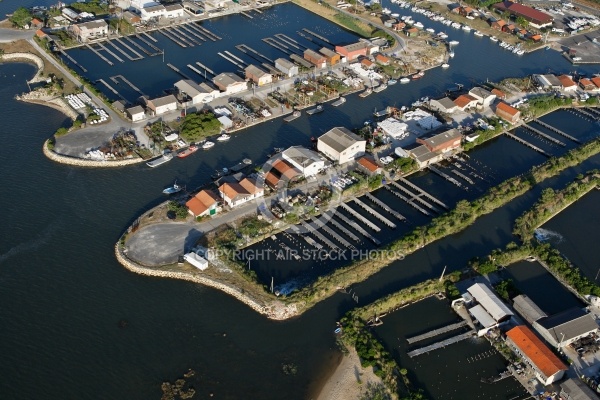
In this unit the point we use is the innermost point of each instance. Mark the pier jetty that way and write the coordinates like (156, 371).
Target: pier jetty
(385, 207)
(542, 134)
(358, 228)
(526, 143)
(442, 344)
(556, 130)
(436, 332)
(423, 193)
(362, 219)
(99, 54)
(374, 213)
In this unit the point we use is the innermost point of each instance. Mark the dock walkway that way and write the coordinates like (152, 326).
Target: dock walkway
(185, 36)
(336, 236)
(275, 44)
(414, 196)
(150, 37)
(526, 143)
(439, 345)
(210, 71)
(374, 213)
(544, 135)
(422, 192)
(193, 32)
(556, 130)
(131, 85)
(445, 176)
(172, 37)
(120, 50)
(112, 89)
(230, 60)
(436, 332)
(316, 35)
(358, 228)
(174, 68)
(588, 114)
(252, 53)
(149, 44)
(407, 200)
(314, 230)
(68, 57)
(99, 54)
(288, 41)
(208, 33)
(103, 47)
(312, 242)
(131, 49)
(463, 176)
(341, 227)
(385, 207)
(358, 216)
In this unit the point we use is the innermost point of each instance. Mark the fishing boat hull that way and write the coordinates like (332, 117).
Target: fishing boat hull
(339, 102)
(159, 161)
(187, 152)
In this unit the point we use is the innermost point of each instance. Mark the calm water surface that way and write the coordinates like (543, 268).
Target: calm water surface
(63, 295)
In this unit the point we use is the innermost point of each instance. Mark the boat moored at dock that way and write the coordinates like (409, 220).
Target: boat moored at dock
(315, 110)
(207, 145)
(173, 189)
(166, 157)
(380, 88)
(292, 116)
(404, 80)
(418, 75)
(189, 151)
(367, 92)
(339, 102)
(223, 138)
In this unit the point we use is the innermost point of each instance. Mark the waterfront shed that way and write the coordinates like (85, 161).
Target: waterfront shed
(527, 308)
(445, 105)
(508, 113)
(317, 59)
(192, 8)
(352, 51)
(132, 18)
(465, 102)
(333, 58)
(230, 83)
(304, 160)
(490, 302)
(197, 93)
(257, 75)
(587, 84)
(341, 145)
(547, 366)
(566, 327)
(484, 97)
(381, 59)
(205, 202)
(287, 67)
(567, 84)
(174, 11)
(368, 165)
(442, 142)
(91, 30)
(136, 113)
(537, 19)
(152, 12)
(162, 104)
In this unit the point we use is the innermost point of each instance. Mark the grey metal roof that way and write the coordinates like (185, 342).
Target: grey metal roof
(443, 137)
(227, 78)
(446, 102)
(255, 71)
(527, 308)
(285, 63)
(480, 92)
(492, 304)
(162, 101)
(570, 323)
(301, 155)
(574, 389)
(327, 52)
(339, 138)
(135, 110)
(172, 7)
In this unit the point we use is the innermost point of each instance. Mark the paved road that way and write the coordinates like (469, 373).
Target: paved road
(11, 35)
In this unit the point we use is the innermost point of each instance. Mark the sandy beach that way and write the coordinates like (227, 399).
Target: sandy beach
(344, 383)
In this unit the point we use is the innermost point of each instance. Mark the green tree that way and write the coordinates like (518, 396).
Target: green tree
(199, 125)
(21, 17)
(522, 21)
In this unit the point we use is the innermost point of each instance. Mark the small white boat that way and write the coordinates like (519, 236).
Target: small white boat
(380, 88)
(430, 30)
(451, 54)
(207, 145)
(445, 65)
(224, 137)
(395, 15)
(453, 42)
(404, 80)
(456, 25)
(392, 82)
(339, 102)
(520, 52)
(466, 28)
(418, 25)
(315, 110)
(477, 33)
(292, 116)
(493, 38)
(442, 35)
(386, 11)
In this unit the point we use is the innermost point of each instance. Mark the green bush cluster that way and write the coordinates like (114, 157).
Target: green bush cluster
(199, 125)
(181, 211)
(21, 17)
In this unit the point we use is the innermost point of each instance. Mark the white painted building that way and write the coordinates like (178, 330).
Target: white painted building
(287, 67)
(304, 160)
(91, 30)
(152, 12)
(238, 193)
(174, 11)
(484, 97)
(341, 145)
(229, 83)
(199, 262)
(199, 93)
(136, 113)
(162, 105)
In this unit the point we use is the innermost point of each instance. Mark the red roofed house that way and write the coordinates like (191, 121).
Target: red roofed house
(352, 51)
(237, 193)
(398, 26)
(317, 59)
(499, 93)
(464, 11)
(285, 170)
(537, 19)
(206, 202)
(508, 28)
(587, 84)
(36, 24)
(369, 165)
(40, 33)
(596, 81)
(508, 113)
(536, 38)
(465, 101)
(365, 62)
(411, 32)
(497, 24)
(547, 366)
(381, 59)
(568, 85)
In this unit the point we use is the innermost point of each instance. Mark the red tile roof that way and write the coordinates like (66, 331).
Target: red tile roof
(40, 33)
(528, 13)
(285, 169)
(463, 100)
(232, 190)
(499, 93)
(36, 21)
(368, 163)
(381, 58)
(249, 185)
(502, 106)
(596, 81)
(202, 201)
(366, 62)
(533, 348)
(271, 179)
(566, 81)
